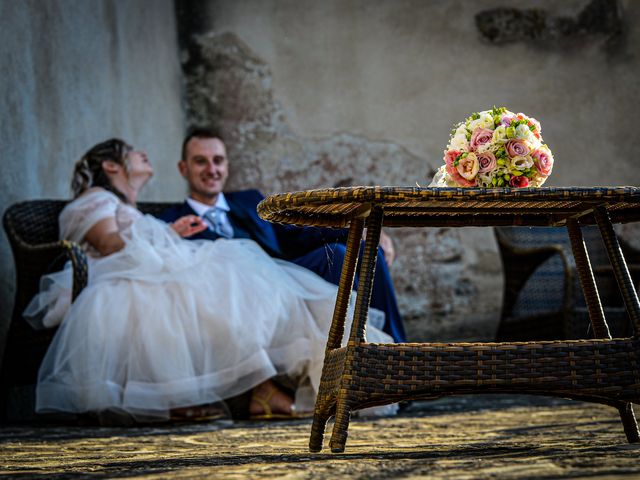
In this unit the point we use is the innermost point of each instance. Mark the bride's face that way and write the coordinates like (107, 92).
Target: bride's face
(138, 166)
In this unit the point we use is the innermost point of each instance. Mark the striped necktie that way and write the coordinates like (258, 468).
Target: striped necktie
(214, 215)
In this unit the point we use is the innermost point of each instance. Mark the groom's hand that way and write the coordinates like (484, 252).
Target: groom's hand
(188, 225)
(386, 244)
(387, 247)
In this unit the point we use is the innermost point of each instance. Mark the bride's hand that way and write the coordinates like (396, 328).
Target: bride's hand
(188, 225)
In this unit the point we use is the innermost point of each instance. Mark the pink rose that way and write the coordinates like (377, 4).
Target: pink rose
(519, 182)
(468, 166)
(480, 136)
(464, 174)
(506, 120)
(450, 156)
(543, 160)
(486, 162)
(459, 179)
(517, 148)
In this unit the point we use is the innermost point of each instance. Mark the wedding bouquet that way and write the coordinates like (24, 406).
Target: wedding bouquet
(495, 148)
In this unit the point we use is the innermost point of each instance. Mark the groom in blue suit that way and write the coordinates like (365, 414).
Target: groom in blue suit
(205, 166)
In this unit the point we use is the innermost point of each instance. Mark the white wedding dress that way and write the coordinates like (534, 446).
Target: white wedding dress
(167, 322)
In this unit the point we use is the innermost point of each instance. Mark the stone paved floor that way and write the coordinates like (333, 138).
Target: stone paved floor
(461, 438)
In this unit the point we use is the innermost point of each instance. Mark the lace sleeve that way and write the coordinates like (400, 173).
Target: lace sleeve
(84, 212)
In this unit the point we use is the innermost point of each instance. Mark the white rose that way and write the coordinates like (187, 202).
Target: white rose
(459, 142)
(473, 124)
(484, 147)
(522, 163)
(535, 143)
(484, 179)
(486, 120)
(524, 132)
(500, 135)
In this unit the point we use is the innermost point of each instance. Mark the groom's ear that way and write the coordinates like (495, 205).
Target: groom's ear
(182, 168)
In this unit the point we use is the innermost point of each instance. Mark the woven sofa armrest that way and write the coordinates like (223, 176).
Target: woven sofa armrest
(68, 250)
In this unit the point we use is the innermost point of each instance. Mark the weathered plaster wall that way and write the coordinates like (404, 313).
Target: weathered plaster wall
(75, 73)
(338, 92)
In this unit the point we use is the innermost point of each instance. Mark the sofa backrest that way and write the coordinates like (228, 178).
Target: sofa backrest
(33, 222)
(36, 221)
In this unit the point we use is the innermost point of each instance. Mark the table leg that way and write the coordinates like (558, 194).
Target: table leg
(620, 270)
(347, 276)
(629, 422)
(367, 273)
(336, 333)
(589, 287)
(630, 297)
(365, 284)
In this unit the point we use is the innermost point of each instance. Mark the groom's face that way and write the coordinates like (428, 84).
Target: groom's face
(205, 167)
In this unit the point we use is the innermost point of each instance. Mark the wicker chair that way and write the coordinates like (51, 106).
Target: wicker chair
(542, 295)
(32, 230)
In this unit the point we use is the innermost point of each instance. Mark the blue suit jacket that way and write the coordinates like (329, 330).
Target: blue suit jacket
(281, 241)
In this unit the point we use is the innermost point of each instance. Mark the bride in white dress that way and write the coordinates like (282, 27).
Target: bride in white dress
(166, 323)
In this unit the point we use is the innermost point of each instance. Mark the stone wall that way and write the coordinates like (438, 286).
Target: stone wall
(75, 73)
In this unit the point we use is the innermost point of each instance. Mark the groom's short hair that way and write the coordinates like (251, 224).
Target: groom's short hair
(199, 132)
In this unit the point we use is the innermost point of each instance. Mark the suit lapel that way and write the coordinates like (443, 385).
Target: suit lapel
(244, 213)
(240, 216)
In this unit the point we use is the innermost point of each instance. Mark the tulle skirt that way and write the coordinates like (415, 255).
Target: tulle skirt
(168, 323)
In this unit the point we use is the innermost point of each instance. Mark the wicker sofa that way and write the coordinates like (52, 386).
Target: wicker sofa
(32, 230)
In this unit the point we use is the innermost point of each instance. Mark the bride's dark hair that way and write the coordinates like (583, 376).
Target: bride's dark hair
(88, 171)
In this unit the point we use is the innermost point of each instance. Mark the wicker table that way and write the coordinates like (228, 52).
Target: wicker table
(602, 370)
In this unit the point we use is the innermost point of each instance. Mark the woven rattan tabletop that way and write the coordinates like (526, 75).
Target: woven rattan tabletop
(414, 206)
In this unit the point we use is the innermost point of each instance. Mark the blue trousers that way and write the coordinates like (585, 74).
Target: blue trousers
(327, 262)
